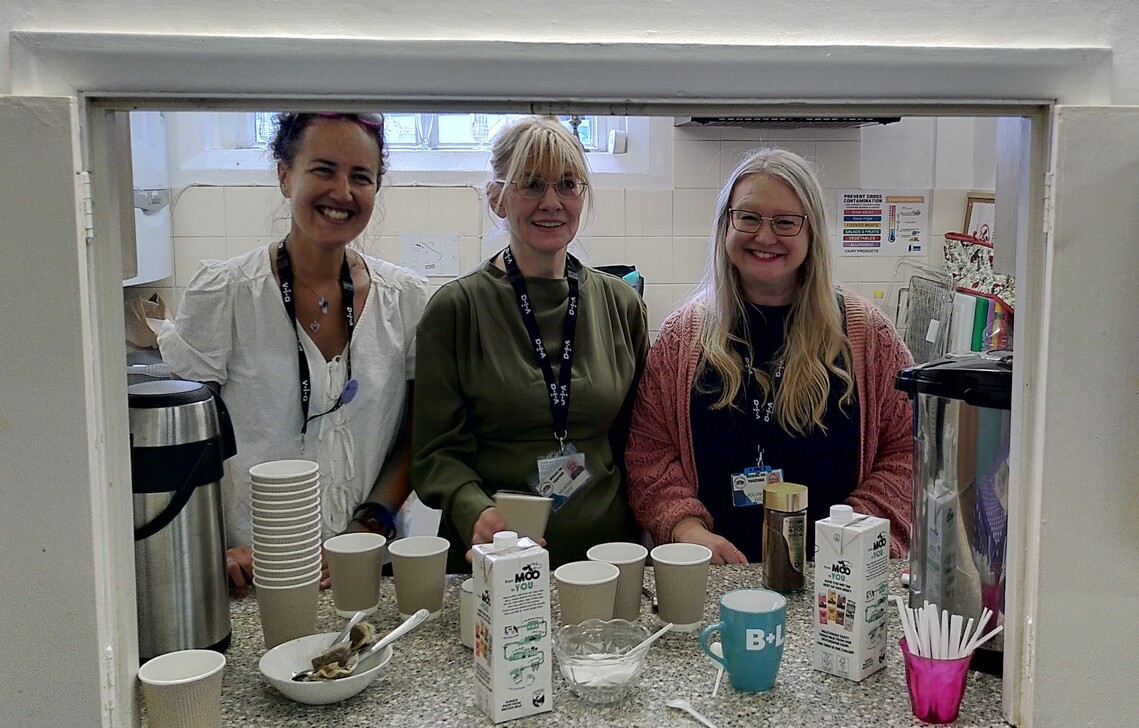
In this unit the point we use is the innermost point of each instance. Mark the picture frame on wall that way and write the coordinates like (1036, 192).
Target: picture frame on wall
(980, 213)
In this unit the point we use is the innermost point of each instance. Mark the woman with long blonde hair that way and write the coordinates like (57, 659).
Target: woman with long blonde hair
(769, 369)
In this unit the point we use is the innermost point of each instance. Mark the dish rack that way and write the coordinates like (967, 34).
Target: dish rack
(920, 299)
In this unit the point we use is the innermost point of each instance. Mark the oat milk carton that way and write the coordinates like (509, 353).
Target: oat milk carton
(512, 643)
(852, 572)
(940, 544)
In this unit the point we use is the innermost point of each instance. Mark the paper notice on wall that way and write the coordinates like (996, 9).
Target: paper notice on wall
(882, 222)
(430, 254)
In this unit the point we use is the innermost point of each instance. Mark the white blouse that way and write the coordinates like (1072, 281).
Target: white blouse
(232, 329)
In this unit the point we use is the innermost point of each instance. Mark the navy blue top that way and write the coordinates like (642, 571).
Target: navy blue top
(726, 441)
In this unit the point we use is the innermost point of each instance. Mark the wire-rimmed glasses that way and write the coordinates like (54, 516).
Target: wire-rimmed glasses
(785, 226)
(534, 188)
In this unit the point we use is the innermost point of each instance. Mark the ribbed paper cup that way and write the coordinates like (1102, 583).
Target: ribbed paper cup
(283, 471)
(183, 689)
(286, 577)
(287, 612)
(630, 559)
(285, 536)
(467, 613)
(271, 507)
(525, 514)
(298, 517)
(291, 549)
(270, 565)
(285, 490)
(355, 561)
(419, 564)
(586, 590)
(297, 529)
(681, 571)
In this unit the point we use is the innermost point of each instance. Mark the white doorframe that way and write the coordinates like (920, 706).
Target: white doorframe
(619, 78)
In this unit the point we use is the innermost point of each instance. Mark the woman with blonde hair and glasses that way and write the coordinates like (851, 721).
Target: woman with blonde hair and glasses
(527, 365)
(769, 371)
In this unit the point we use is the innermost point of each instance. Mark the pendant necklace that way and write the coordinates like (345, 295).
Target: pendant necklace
(322, 302)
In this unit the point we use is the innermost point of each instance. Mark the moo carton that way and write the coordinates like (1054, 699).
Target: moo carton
(940, 544)
(852, 570)
(512, 641)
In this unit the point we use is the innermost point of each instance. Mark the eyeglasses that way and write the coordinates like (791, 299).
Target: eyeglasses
(784, 226)
(535, 187)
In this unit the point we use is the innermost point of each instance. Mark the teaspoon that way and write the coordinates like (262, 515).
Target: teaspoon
(718, 649)
(682, 704)
(408, 624)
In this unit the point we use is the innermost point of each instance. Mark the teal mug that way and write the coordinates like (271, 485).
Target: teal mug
(752, 625)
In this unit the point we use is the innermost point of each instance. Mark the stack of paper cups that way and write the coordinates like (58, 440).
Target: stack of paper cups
(286, 547)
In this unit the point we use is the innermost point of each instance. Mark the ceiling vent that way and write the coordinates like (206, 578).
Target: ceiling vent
(786, 122)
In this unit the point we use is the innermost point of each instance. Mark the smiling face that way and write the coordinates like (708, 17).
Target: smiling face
(540, 228)
(768, 264)
(332, 183)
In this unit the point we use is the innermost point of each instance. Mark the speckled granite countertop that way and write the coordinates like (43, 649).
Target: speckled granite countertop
(430, 680)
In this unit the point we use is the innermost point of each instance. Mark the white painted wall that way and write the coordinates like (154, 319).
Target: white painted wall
(661, 230)
(970, 23)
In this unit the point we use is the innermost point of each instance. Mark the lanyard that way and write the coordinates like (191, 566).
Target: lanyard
(559, 390)
(761, 411)
(285, 271)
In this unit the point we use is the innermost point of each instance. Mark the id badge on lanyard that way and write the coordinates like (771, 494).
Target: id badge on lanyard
(560, 473)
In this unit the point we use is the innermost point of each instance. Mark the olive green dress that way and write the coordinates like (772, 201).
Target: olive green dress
(482, 418)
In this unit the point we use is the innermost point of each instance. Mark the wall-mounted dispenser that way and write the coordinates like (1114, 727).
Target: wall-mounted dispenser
(154, 241)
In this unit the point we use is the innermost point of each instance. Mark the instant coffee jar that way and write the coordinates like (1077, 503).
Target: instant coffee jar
(784, 536)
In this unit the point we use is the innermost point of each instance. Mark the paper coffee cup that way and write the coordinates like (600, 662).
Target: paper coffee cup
(586, 590)
(629, 558)
(419, 565)
(681, 571)
(183, 689)
(467, 614)
(287, 612)
(525, 514)
(355, 562)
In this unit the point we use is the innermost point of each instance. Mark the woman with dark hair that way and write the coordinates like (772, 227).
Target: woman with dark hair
(527, 365)
(310, 340)
(769, 371)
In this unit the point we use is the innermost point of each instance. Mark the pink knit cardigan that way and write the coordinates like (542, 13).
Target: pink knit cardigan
(661, 461)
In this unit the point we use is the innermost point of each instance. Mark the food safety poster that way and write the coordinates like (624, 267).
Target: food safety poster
(882, 222)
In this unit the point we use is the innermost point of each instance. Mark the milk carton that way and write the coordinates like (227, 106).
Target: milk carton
(940, 576)
(852, 570)
(512, 647)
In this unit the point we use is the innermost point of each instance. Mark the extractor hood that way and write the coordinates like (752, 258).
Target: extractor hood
(785, 122)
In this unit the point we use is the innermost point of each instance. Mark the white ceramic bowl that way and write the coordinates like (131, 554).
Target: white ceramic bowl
(280, 663)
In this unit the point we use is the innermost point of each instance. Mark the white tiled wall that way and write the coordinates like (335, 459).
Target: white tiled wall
(663, 232)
